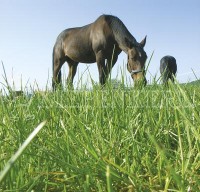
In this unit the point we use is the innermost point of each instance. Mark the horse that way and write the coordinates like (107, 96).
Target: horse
(168, 68)
(101, 42)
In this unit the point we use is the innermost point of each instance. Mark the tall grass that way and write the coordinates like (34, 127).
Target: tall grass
(104, 140)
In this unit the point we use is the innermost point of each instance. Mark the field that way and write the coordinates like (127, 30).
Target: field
(121, 139)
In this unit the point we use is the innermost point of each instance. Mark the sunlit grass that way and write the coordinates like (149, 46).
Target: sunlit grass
(110, 139)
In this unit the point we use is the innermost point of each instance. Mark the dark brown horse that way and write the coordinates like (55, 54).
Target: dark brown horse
(168, 68)
(101, 41)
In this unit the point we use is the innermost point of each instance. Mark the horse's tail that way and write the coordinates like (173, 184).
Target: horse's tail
(53, 78)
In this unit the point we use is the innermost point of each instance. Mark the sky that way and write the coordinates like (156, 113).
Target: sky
(28, 31)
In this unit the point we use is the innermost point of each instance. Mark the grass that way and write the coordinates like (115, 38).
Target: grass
(103, 140)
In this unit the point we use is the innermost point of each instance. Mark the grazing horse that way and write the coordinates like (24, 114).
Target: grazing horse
(168, 68)
(101, 41)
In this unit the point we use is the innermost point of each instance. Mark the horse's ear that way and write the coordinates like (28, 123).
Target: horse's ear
(128, 43)
(143, 42)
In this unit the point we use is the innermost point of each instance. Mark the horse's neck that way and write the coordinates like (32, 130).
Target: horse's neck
(121, 35)
(123, 44)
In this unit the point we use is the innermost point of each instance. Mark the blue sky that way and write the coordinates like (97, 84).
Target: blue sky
(28, 30)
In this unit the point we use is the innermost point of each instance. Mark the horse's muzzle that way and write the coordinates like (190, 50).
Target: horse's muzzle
(138, 76)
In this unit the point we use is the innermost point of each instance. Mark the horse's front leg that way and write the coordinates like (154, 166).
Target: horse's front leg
(101, 67)
(110, 63)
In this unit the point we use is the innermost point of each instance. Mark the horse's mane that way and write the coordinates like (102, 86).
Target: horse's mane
(119, 29)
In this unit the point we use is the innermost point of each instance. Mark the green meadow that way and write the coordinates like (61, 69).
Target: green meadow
(111, 139)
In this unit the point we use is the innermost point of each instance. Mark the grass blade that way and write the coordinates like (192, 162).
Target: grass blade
(20, 150)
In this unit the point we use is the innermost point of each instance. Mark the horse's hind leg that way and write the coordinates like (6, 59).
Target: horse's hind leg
(172, 77)
(72, 72)
(57, 64)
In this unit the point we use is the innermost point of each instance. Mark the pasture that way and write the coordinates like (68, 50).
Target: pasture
(121, 139)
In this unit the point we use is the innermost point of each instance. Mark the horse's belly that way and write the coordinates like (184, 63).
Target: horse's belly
(87, 57)
(84, 58)
(81, 54)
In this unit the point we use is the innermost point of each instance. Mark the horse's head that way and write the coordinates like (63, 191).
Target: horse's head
(136, 61)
